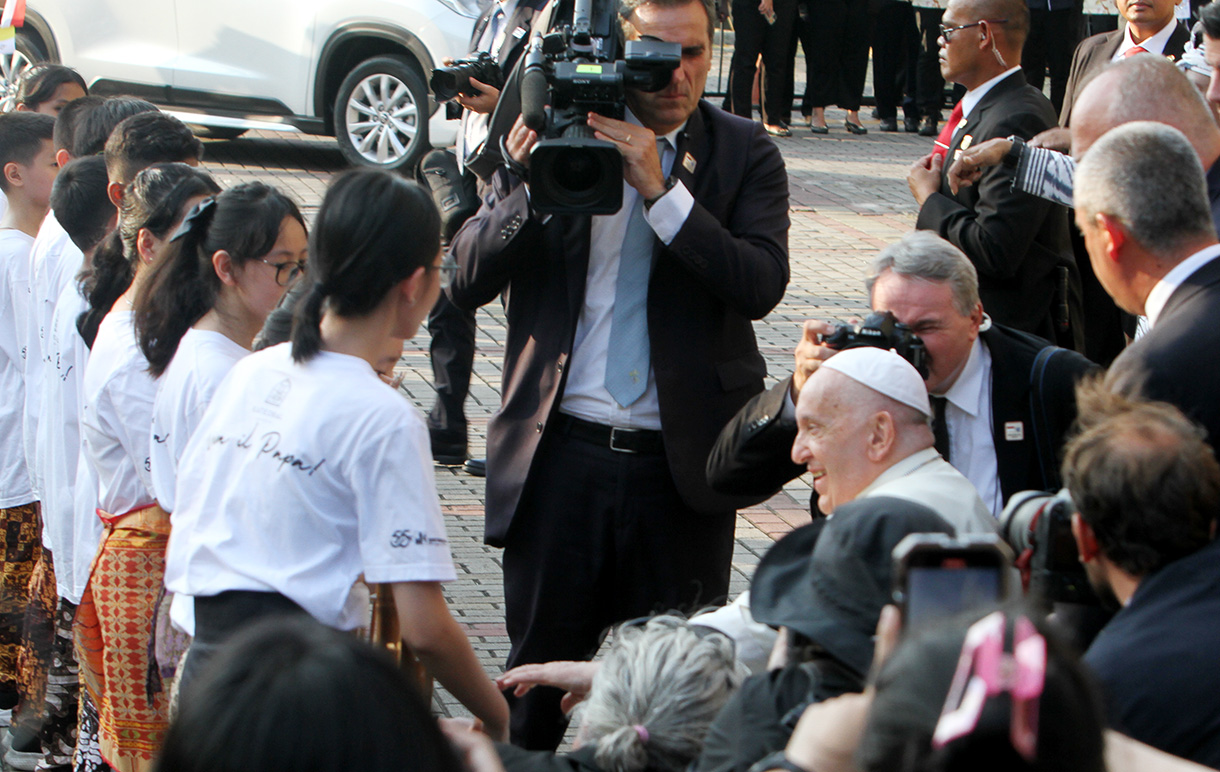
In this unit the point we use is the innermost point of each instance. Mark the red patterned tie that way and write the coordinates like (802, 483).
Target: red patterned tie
(946, 134)
(1134, 50)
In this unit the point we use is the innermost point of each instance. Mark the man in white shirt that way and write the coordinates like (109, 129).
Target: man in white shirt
(1018, 244)
(1141, 203)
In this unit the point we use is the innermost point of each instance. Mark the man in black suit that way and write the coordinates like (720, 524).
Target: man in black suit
(1150, 27)
(503, 30)
(1020, 246)
(595, 476)
(1141, 203)
(1008, 398)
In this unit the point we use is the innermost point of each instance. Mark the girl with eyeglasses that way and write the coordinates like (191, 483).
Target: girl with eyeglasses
(307, 472)
(225, 269)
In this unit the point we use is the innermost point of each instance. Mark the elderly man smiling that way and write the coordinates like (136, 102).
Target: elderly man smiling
(862, 430)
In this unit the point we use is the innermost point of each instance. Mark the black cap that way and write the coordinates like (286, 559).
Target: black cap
(829, 582)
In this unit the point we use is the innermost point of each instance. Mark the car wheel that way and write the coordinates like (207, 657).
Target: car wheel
(13, 65)
(381, 114)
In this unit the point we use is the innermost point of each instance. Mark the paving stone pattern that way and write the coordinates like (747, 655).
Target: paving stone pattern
(848, 199)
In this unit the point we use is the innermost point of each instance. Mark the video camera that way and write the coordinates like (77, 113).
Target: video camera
(569, 73)
(882, 330)
(1038, 526)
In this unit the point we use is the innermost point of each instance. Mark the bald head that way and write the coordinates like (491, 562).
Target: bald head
(1015, 14)
(1144, 88)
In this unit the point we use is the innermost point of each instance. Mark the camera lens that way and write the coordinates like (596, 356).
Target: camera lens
(577, 172)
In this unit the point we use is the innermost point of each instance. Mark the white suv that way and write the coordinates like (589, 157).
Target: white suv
(354, 69)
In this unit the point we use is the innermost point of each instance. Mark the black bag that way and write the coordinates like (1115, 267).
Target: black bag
(455, 194)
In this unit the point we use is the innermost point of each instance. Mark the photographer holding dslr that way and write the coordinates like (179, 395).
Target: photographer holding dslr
(1147, 489)
(629, 346)
(1002, 399)
(499, 37)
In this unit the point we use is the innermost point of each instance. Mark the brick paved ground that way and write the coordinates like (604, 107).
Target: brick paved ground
(848, 198)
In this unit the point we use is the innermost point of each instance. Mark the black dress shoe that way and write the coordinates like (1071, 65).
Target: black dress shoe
(910, 124)
(889, 124)
(929, 127)
(476, 467)
(854, 128)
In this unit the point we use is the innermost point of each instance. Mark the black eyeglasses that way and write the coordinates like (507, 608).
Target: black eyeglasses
(947, 32)
(287, 272)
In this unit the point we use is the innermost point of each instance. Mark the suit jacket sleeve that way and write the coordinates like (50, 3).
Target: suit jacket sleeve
(753, 454)
(744, 261)
(998, 232)
(500, 239)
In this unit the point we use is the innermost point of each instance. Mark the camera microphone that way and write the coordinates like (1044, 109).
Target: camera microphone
(534, 88)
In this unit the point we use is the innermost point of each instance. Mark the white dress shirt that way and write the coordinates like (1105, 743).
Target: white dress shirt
(975, 95)
(969, 420)
(1160, 293)
(585, 395)
(1153, 45)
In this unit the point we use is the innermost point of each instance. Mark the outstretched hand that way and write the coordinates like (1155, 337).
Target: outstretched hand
(575, 678)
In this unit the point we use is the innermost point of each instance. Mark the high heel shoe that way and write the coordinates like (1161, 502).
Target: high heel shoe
(854, 128)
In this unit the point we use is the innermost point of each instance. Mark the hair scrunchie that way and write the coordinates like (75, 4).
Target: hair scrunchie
(642, 732)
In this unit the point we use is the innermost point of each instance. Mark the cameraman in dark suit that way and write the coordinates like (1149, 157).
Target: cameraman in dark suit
(629, 345)
(1003, 399)
(1020, 247)
(503, 30)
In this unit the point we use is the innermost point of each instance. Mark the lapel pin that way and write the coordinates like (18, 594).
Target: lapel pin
(688, 163)
(1014, 431)
(967, 141)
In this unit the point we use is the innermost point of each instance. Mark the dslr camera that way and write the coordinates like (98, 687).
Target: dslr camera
(882, 330)
(584, 66)
(448, 82)
(1038, 526)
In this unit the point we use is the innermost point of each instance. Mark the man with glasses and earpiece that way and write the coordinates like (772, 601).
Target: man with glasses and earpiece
(1020, 247)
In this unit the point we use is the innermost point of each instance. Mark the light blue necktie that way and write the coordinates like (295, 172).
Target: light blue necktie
(627, 356)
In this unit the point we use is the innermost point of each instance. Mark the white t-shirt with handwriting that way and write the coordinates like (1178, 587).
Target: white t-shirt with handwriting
(15, 487)
(118, 403)
(299, 479)
(54, 261)
(71, 528)
(184, 390)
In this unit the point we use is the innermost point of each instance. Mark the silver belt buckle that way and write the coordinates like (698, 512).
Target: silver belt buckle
(614, 431)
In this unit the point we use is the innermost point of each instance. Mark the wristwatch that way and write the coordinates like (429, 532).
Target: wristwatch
(1013, 157)
(669, 185)
(777, 760)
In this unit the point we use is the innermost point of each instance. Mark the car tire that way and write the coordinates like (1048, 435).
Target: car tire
(12, 65)
(381, 114)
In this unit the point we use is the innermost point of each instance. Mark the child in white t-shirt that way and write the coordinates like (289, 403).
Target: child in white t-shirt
(197, 315)
(115, 619)
(27, 171)
(307, 472)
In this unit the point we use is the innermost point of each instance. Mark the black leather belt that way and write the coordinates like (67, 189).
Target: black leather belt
(616, 438)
